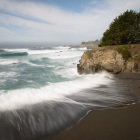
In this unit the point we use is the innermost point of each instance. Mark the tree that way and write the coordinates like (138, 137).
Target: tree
(125, 29)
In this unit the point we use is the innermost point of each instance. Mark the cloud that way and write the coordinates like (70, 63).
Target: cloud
(5, 31)
(37, 21)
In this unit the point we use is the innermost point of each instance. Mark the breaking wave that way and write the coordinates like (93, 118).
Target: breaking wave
(4, 53)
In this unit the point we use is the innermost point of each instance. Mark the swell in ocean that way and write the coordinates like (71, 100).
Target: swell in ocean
(41, 92)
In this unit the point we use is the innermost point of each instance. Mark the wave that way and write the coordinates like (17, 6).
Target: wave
(31, 113)
(57, 53)
(7, 62)
(44, 119)
(36, 52)
(4, 53)
(54, 91)
(16, 50)
(60, 52)
(62, 47)
(53, 50)
(65, 54)
(83, 49)
(5, 74)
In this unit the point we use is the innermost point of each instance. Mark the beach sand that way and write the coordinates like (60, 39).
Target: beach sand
(111, 124)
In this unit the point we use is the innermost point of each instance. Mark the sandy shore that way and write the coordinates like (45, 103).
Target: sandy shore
(111, 124)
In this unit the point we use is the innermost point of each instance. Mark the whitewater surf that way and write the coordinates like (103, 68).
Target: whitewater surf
(41, 92)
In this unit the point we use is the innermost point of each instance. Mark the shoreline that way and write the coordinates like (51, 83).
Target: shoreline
(121, 123)
(110, 124)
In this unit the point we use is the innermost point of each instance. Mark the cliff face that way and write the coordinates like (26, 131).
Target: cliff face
(110, 59)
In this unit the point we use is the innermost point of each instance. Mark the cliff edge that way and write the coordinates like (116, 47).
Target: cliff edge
(115, 59)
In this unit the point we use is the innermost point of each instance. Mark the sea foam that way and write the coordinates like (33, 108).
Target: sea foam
(60, 91)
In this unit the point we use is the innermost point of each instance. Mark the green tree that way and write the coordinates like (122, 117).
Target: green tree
(125, 29)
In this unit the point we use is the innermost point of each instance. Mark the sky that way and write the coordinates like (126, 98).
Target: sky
(66, 21)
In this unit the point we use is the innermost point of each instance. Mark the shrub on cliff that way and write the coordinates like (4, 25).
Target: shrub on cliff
(124, 51)
(125, 29)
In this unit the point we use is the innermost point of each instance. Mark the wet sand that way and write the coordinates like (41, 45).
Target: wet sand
(110, 124)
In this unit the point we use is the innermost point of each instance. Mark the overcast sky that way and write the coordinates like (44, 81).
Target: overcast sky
(68, 21)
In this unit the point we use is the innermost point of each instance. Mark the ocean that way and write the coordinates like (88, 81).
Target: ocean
(42, 94)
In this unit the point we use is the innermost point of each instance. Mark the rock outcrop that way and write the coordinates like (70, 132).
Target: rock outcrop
(110, 59)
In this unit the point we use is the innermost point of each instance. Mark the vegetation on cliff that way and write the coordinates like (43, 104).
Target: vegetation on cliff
(124, 51)
(125, 29)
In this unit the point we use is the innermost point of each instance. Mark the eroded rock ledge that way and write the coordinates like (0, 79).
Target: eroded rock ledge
(110, 59)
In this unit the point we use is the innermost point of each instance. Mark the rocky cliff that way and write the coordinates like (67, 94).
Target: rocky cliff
(113, 59)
